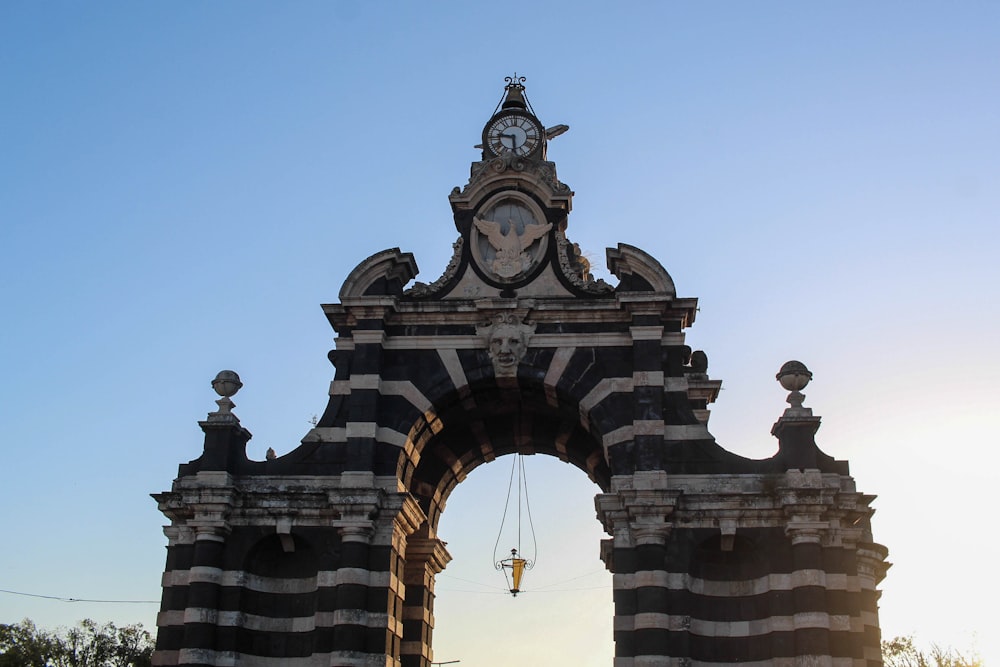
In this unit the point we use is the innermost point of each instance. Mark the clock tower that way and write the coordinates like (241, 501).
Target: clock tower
(512, 216)
(514, 130)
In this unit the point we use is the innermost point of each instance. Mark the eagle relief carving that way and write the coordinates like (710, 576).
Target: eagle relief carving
(512, 238)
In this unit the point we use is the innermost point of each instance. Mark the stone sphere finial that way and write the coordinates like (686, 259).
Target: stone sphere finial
(226, 383)
(794, 376)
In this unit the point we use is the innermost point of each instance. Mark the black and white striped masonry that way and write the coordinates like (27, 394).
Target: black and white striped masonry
(327, 556)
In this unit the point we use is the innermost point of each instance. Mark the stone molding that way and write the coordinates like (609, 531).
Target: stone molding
(637, 511)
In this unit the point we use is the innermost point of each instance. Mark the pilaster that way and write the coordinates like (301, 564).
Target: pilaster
(204, 586)
(806, 503)
(425, 558)
(375, 526)
(637, 515)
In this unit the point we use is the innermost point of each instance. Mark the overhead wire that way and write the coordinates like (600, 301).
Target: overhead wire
(71, 599)
(566, 581)
(469, 581)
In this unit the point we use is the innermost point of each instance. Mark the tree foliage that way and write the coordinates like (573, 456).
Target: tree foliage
(900, 652)
(85, 645)
(91, 645)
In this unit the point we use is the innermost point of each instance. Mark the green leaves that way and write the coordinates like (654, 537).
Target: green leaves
(900, 652)
(85, 645)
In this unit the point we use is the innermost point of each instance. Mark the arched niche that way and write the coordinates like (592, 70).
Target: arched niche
(279, 598)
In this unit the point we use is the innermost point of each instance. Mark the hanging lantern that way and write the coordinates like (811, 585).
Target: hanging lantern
(513, 567)
(517, 566)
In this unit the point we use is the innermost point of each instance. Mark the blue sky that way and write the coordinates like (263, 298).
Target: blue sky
(182, 184)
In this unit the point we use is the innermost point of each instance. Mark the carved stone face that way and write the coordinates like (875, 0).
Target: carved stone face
(506, 338)
(507, 348)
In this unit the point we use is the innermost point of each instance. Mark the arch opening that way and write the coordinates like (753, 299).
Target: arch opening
(488, 421)
(568, 589)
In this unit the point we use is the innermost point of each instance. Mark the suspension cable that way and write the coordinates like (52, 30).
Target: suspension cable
(531, 525)
(506, 504)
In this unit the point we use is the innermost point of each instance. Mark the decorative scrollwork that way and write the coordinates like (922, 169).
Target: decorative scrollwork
(545, 171)
(576, 268)
(515, 80)
(507, 161)
(476, 173)
(421, 290)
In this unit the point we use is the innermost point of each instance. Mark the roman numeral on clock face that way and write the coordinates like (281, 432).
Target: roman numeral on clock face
(513, 133)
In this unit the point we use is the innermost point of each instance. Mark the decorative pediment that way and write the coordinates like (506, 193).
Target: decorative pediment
(639, 271)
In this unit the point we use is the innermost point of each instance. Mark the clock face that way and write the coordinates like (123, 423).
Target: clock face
(513, 133)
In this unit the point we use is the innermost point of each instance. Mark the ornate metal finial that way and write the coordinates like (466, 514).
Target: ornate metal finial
(515, 80)
(513, 97)
(225, 384)
(794, 376)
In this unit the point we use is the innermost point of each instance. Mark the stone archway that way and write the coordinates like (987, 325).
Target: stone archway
(718, 559)
(476, 428)
(477, 424)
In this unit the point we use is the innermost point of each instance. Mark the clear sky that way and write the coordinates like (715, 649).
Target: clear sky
(182, 184)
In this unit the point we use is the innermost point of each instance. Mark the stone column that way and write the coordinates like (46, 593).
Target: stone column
(374, 525)
(401, 517)
(806, 503)
(350, 630)
(357, 503)
(871, 570)
(636, 514)
(425, 557)
(204, 588)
